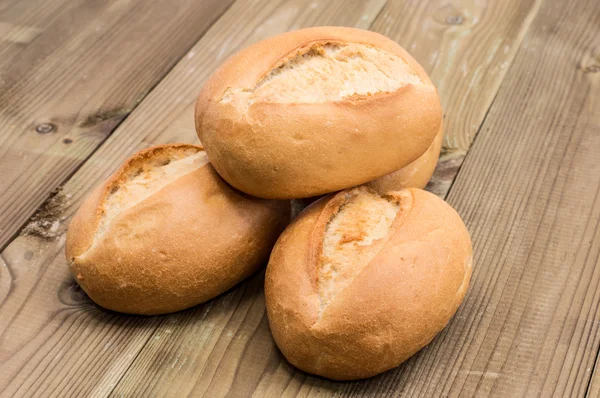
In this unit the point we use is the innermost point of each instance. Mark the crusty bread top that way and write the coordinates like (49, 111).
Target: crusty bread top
(312, 65)
(330, 71)
(146, 176)
(352, 238)
(140, 177)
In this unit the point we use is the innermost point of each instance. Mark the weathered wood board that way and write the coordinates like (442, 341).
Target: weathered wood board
(70, 72)
(528, 192)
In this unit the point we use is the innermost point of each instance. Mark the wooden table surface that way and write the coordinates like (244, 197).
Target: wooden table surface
(85, 83)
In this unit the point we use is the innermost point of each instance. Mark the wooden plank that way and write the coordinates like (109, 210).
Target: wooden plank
(242, 331)
(594, 386)
(224, 347)
(53, 340)
(465, 58)
(463, 70)
(529, 192)
(49, 346)
(70, 71)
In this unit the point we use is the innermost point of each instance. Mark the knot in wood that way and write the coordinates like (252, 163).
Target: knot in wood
(45, 128)
(454, 19)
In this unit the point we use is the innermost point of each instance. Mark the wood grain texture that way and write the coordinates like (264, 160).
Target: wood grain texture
(465, 58)
(594, 385)
(466, 46)
(528, 193)
(70, 71)
(53, 340)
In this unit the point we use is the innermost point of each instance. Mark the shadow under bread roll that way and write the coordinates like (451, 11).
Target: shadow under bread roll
(165, 233)
(316, 110)
(415, 175)
(359, 282)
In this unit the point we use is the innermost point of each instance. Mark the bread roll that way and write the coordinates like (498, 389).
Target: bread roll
(415, 175)
(359, 282)
(315, 111)
(165, 232)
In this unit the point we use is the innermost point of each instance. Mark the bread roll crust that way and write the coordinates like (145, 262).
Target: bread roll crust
(392, 308)
(415, 175)
(302, 149)
(191, 240)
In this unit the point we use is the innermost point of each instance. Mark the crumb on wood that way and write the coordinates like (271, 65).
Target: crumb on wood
(46, 223)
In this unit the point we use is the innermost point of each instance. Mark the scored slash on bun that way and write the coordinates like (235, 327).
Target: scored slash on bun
(351, 238)
(165, 233)
(360, 281)
(316, 110)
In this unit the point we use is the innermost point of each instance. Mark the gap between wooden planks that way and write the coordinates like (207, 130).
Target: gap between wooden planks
(285, 16)
(70, 71)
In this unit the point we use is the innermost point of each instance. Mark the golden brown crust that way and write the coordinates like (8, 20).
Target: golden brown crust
(190, 241)
(292, 150)
(415, 175)
(82, 228)
(84, 225)
(393, 308)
